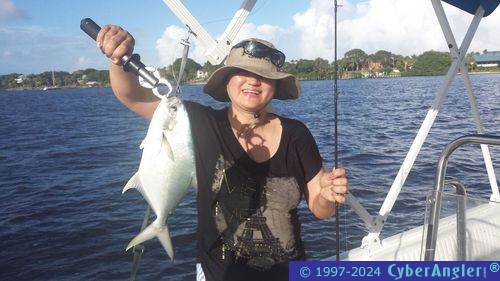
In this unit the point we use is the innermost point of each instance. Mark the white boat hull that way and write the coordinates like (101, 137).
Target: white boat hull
(482, 240)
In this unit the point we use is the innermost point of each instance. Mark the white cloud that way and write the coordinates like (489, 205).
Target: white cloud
(6, 54)
(169, 46)
(84, 62)
(265, 31)
(488, 36)
(8, 10)
(315, 28)
(404, 27)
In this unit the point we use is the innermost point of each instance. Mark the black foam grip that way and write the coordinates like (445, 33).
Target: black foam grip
(90, 27)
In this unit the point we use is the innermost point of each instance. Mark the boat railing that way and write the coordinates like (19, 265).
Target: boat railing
(461, 205)
(434, 215)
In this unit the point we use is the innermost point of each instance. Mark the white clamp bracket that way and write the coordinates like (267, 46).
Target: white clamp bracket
(158, 90)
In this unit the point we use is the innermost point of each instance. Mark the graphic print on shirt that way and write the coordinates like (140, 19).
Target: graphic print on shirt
(253, 215)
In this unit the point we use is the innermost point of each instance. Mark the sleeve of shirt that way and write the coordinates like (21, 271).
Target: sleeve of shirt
(308, 156)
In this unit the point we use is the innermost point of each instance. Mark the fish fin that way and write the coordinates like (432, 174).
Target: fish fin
(133, 182)
(142, 143)
(153, 231)
(165, 144)
(194, 181)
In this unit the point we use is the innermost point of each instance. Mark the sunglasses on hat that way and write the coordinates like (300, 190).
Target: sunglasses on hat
(258, 50)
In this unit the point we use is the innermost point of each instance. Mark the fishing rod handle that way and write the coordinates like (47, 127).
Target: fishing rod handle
(130, 63)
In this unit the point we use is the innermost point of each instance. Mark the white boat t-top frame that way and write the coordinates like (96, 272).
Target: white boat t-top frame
(403, 246)
(216, 50)
(375, 224)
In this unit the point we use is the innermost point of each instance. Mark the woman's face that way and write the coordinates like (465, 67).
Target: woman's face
(250, 92)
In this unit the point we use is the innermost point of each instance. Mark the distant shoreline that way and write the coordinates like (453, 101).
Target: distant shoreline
(202, 83)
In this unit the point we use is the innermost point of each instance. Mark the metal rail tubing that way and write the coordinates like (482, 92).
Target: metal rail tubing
(432, 229)
(461, 217)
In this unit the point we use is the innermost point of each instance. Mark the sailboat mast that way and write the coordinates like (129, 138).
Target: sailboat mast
(53, 79)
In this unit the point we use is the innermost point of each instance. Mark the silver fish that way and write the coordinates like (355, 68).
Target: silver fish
(167, 168)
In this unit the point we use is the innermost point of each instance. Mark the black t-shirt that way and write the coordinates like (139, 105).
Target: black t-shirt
(248, 227)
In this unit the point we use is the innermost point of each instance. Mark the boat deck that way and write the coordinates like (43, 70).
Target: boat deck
(482, 236)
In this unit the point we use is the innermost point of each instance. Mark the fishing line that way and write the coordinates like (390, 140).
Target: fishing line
(254, 11)
(185, 53)
(173, 58)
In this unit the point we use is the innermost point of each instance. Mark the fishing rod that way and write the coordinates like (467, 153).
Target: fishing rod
(335, 133)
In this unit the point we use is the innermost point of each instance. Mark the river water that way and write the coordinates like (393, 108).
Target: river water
(65, 156)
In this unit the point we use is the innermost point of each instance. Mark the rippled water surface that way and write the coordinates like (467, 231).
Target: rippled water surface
(65, 156)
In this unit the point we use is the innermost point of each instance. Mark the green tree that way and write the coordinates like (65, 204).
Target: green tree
(322, 69)
(431, 63)
(304, 69)
(383, 57)
(189, 70)
(399, 63)
(210, 68)
(471, 62)
(290, 67)
(354, 59)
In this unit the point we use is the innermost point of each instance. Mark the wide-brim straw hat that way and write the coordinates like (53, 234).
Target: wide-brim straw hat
(287, 85)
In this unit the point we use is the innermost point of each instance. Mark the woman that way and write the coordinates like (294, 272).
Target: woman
(253, 166)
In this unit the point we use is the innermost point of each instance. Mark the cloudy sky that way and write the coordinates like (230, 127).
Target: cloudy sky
(37, 36)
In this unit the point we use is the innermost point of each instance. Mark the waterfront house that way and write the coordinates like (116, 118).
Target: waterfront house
(487, 59)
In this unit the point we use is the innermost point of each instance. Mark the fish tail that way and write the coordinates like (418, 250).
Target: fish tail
(152, 231)
(164, 237)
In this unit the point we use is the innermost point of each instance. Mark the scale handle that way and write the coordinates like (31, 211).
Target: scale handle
(90, 27)
(130, 63)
